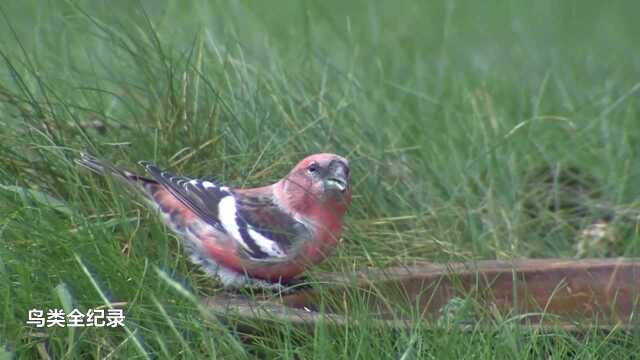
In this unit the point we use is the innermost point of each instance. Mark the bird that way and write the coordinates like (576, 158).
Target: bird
(263, 237)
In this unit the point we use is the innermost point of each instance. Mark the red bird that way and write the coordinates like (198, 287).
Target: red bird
(263, 236)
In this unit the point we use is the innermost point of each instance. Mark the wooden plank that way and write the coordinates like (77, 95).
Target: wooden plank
(556, 293)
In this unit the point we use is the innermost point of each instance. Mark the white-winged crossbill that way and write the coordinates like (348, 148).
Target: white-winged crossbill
(263, 236)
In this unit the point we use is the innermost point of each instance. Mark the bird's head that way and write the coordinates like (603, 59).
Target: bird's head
(320, 182)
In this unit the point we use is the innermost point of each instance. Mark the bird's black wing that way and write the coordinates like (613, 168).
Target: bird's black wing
(275, 231)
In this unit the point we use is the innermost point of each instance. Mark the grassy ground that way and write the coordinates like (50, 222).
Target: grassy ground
(459, 118)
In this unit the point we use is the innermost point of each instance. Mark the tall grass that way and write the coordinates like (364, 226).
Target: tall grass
(446, 109)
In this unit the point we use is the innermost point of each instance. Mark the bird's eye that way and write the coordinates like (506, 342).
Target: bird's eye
(314, 167)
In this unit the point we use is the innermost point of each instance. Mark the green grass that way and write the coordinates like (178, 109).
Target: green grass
(446, 111)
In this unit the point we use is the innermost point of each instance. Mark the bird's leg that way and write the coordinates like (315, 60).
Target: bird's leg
(296, 284)
(257, 286)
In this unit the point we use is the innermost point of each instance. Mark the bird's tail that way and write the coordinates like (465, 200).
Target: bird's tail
(104, 168)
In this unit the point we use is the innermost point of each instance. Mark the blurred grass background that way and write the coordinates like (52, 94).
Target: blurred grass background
(476, 130)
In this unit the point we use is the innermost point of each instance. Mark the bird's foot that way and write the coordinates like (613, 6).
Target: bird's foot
(257, 286)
